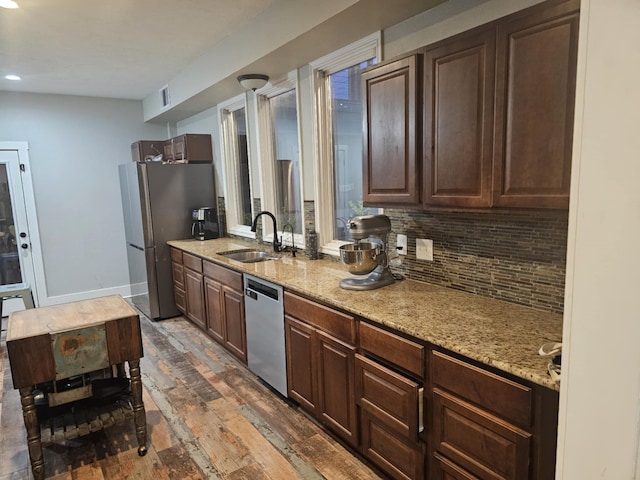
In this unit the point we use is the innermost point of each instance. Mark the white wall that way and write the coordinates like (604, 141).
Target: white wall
(600, 391)
(75, 145)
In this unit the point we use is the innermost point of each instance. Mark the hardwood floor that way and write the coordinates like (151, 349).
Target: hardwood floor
(207, 417)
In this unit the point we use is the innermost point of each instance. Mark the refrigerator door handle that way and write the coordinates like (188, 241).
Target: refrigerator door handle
(136, 247)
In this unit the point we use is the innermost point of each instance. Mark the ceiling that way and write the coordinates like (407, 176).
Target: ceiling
(117, 49)
(129, 49)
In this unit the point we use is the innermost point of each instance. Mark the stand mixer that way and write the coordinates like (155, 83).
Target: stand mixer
(362, 258)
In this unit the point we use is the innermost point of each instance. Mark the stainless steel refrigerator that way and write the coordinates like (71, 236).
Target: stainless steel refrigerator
(158, 201)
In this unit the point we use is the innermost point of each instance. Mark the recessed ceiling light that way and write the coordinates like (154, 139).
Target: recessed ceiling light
(8, 4)
(12, 77)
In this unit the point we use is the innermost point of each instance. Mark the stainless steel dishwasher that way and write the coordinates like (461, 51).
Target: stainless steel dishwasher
(264, 314)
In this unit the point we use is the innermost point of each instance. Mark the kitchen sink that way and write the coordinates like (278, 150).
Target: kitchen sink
(247, 255)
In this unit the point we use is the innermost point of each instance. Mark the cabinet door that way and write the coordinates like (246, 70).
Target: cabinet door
(235, 331)
(215, 312)
(194, 287)
(535, 94)
(179, 147)
(336, 389)
(482, 444)
(391, 131)
(168, 151)
(301, 363)
(458, 120)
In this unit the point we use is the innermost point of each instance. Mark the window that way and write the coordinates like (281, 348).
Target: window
(346, 126)
(338, 103)
(280, 154)
(237, 167)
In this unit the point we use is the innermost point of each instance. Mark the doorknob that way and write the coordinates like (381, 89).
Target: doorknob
(23, 234)
(25, 245)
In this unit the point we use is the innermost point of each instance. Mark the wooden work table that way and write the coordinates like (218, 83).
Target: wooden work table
(50, 344)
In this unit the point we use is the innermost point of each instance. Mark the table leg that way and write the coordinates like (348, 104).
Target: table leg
(32, 425)
(139, 415)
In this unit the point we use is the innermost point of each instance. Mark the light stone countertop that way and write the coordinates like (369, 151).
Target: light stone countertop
(501, 334)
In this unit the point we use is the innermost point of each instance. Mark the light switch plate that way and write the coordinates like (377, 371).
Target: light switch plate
(424, 249)
(401, 242)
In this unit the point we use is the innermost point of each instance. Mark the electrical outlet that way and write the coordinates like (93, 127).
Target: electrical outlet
(401, 244)
(424, 249)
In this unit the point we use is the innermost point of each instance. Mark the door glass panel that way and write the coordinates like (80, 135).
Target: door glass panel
(9, 241)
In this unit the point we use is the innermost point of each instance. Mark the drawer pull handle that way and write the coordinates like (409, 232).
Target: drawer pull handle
(421, 409)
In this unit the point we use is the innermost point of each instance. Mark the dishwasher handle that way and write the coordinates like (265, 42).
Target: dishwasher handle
(250, 293)
(259, 287)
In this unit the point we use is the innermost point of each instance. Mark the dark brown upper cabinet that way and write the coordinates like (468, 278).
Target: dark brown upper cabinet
(496, 108)
(535, 95)
(458, 120)
(391, 127)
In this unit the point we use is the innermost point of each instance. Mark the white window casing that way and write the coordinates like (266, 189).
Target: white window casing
(230, 165)
(266, 149)
(364, 49)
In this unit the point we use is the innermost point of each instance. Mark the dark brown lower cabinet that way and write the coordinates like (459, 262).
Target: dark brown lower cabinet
(320, 364)
(390, 419)
(321, 377)
(336, 398)
(235, 331)
(179, 295)
(301, 364)
(479, 442)
(194, 287)
(224, 299)
(487, 426)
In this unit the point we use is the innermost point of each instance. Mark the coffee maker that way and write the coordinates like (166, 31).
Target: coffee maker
(205, 224)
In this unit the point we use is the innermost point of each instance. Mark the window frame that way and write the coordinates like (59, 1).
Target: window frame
(265, 144)
(359, 51)
(230, 162)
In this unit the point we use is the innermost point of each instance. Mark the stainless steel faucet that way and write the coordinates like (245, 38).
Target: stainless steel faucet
(277, 244)
(293, 238)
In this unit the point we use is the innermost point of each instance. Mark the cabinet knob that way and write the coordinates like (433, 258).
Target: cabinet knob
(23, 234)
(25, 245)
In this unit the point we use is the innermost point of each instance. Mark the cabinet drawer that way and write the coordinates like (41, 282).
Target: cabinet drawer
(445, 469)
(340, 325)
(176, 255)
(192, 262)
(399, 458)
(505, 398)
(394, 399)
(177, 271)
(223, 275)
(393, 348)
(477, 441)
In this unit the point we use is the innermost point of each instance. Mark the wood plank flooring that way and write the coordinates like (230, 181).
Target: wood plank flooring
(208, 417)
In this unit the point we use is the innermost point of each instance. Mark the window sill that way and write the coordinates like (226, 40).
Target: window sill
(333, 247)
(242, 231)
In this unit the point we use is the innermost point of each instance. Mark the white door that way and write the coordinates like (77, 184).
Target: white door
(16, 259)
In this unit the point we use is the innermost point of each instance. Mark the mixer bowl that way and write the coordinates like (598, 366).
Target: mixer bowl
(360, 258)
